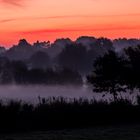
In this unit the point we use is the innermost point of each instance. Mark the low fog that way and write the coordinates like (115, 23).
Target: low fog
(31, 93)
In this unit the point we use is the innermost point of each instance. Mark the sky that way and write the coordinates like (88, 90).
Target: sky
(51, 19)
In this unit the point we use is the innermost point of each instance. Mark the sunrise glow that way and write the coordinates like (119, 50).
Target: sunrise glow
(51, 19)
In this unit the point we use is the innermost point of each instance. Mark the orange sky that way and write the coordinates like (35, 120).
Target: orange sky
(51, 19)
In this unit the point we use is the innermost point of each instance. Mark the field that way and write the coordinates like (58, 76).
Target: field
(123, 132)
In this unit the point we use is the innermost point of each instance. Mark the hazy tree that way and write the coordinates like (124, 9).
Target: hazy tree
(5, 71)
(40, 60)
(103, 45)
(67, 76)
(74, 57)
(19, 70)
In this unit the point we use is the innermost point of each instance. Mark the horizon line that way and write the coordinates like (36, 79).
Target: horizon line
(73, 40)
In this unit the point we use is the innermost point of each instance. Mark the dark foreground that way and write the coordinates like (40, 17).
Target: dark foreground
(60, 113)
(122, 132)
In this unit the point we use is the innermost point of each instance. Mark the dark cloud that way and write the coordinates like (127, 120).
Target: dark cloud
(44, 31)
(90, 16)
(7, 20)
(71, 16)
(12, 2)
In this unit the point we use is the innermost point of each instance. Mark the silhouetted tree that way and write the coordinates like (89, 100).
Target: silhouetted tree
(133, 54)
(107, 75)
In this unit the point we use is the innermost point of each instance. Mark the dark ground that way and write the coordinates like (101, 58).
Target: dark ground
(124, 132)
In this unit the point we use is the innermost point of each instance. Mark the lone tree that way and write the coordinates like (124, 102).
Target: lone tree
(108, 74)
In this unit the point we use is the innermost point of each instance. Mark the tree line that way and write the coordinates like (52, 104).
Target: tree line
(64, 53)
(17, 72)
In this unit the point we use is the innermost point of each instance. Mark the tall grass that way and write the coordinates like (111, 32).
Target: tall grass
(59, 112)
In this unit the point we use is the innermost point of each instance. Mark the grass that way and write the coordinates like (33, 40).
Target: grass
(57, 113)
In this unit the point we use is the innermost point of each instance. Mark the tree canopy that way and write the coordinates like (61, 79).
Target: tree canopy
(109, 74)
